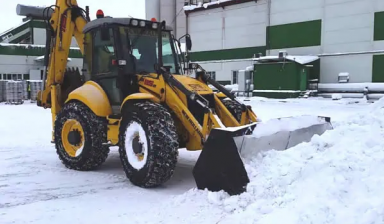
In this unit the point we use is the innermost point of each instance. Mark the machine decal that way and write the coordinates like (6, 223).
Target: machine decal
(197, 87)
(148, 82)
(193, 124)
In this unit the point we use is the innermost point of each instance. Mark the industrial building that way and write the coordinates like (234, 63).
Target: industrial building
(347, 36)
(22, 52)
(344, 40)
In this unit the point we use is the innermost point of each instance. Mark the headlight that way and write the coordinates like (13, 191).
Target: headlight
(142, 23)
(154, 25)
(134, 22)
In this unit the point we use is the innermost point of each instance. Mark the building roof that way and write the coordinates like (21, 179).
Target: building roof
(300, 59)
(20, 33)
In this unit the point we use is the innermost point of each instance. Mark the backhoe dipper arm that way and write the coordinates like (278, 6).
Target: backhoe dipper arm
(64, 20)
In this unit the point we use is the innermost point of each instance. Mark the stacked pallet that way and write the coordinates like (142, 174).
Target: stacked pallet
(25, 89)
(14, 92)
(36, 86)
(2, 90)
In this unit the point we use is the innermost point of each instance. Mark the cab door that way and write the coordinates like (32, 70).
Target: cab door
(101, 59)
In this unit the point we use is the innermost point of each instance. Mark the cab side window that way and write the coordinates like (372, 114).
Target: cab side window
(104, 52)
(87, 59)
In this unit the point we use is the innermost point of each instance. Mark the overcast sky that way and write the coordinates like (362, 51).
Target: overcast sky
(114, 8)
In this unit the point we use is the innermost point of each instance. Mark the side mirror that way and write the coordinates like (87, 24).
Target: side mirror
(193, 65)
(188, 42)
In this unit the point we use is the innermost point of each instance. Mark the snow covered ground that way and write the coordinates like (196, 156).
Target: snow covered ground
(336, 178)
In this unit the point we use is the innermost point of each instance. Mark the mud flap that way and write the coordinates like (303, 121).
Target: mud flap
(219, 166)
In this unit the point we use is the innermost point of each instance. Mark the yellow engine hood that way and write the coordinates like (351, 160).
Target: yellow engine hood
(194, 85)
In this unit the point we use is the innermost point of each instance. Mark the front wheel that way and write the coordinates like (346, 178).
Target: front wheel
(234, 108)
(148, 144)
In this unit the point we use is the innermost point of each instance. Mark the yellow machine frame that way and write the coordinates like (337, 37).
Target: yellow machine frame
(96, 99)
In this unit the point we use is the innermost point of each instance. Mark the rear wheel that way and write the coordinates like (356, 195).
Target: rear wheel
(234, 108)
(79, 136)
(148, 144)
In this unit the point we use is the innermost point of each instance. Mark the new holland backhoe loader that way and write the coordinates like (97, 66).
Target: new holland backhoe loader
(132, 93)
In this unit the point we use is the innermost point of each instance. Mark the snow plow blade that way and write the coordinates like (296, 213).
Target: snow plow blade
(221, 162)
(281, 134)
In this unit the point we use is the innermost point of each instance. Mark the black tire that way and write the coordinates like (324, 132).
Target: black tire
(94, 153)
(162, 143)
(234, 108)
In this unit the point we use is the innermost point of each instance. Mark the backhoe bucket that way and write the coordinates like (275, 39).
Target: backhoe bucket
(221, 162)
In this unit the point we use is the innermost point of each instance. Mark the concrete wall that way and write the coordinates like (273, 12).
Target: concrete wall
(10, 64)
(235, 27)
(181, 20)
(169, 10)
(152, 9)
(313, 27)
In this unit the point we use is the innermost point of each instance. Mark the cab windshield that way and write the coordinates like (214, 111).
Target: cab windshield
(140, 49)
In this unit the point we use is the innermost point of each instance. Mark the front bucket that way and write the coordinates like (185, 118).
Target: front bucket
(220, 166)
(221, 162)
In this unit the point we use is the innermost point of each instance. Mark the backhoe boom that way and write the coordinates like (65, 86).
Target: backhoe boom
(64, 20)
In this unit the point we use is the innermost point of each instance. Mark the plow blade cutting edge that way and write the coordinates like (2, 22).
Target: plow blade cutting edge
(220, 165)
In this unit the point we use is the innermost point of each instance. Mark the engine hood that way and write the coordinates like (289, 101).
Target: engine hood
(194, 85)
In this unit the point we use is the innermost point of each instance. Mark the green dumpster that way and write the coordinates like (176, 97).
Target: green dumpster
(284, 77)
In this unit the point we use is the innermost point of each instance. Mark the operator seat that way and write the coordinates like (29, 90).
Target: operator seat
(148, 57)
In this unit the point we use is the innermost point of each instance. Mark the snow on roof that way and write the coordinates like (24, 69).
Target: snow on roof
(10, 29)
(205, 5)
(29, 45)
(40, 58)
(298, 59)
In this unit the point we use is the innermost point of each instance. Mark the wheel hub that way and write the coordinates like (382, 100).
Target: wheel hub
(137, 147)
(74, 137)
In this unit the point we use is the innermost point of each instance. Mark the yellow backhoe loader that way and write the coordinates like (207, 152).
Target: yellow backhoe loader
(133, 93)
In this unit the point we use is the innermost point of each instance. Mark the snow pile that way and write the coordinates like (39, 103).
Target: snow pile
(336, 96)
(286, 124)
(233, 87)
(301, 59)
(335, 178)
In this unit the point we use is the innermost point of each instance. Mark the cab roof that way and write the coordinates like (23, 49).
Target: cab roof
(115, 21)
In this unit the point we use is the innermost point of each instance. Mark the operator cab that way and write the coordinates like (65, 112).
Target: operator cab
(117, 49)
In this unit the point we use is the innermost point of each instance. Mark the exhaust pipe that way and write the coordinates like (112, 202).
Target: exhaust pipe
(33, 12)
